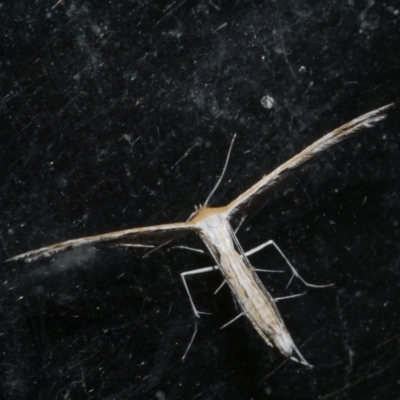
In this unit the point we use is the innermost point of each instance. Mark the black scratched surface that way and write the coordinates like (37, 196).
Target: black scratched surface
(120, 114)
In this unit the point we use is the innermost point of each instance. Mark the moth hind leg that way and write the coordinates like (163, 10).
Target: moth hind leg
(292, 268)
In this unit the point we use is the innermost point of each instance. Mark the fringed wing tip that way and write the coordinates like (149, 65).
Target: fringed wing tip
(35, 254)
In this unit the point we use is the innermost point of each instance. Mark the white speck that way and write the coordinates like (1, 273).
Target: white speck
(160, 395)
(268, 102)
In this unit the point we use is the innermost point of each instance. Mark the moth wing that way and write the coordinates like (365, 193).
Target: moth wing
(365, 121)
(116, 237)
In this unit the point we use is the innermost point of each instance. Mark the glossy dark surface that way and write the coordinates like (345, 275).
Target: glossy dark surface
(120, 115)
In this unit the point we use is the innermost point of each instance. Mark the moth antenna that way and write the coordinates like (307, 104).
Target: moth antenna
(223, 172)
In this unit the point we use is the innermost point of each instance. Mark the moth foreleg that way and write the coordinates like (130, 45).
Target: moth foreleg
(194, 272)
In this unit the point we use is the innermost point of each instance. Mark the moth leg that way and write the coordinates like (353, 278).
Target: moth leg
(249, 253)
(277, 299)
(293, 269)
(191, 340)
(189, 248)
(194, 272)
(220, 287)
(255, 250)
(151, 246)
(301, 359)
(233, 320)
(289, 297)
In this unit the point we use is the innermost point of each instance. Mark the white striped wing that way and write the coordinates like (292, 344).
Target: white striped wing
(117, 236)
(365, 121)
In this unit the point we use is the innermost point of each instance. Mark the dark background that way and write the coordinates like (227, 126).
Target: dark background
(119, 114)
